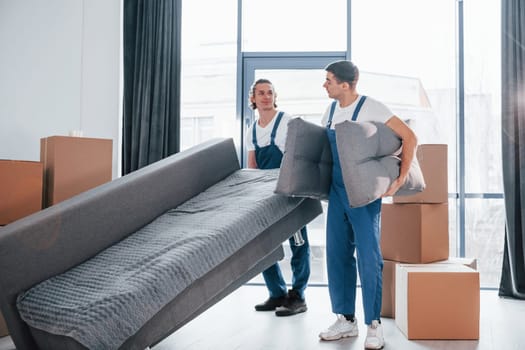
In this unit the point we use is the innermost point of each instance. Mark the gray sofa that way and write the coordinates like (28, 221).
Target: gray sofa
(67, 235)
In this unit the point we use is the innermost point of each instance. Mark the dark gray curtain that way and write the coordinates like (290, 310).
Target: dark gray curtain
(513, 146)
(151, 111)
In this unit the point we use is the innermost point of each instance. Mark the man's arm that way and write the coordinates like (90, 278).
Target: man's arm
(252, 163)
(409, 140)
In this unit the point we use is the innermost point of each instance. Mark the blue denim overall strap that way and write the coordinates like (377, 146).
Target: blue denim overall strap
(336, 168)
(354, 115)
(331, 115)
(268, 157)
(350, 229)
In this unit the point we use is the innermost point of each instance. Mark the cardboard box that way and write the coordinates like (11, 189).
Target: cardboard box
(388, 305)
(3, 327)
(414, 233)
(433, 160)
(73, 165)
(20, 189)
(437, 301)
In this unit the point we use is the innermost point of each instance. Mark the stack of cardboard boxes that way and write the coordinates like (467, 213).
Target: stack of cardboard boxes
(430, 295)
(67, 166)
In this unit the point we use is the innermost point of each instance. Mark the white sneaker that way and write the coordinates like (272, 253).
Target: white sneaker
(374, 336)
(340, 329)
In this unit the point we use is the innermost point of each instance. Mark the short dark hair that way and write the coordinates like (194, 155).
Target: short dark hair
(344, 71)
(252, 90)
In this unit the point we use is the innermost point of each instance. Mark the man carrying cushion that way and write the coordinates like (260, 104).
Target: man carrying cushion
(350, 230)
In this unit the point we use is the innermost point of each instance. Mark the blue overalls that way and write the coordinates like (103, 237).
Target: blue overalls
(347, 230)
(269, 157)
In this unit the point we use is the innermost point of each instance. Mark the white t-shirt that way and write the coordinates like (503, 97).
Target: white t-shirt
(263, 134)
(371, 110)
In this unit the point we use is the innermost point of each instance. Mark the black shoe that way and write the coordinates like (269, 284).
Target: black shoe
(294, 305)
(271, 304)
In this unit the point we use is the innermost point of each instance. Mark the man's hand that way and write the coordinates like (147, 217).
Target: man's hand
(409, 141)
(394, 186)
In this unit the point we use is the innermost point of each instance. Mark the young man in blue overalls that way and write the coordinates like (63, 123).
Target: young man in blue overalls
(265, 142)
(356, 230)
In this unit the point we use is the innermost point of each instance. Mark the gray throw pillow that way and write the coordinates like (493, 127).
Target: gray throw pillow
(306, 168)
(368, 152)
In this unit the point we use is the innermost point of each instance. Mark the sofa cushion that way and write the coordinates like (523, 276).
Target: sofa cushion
(306, 168)
(369, 155)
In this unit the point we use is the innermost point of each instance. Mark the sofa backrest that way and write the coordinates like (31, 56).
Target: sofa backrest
(64, 235)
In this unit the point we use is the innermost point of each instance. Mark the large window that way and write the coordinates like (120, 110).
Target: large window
(484, 204)
(209, 58)
(410, 45)
(435, 63)
(294, 25)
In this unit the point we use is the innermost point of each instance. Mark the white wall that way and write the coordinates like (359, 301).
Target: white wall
(59, 71)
